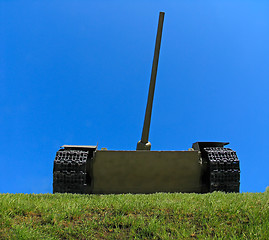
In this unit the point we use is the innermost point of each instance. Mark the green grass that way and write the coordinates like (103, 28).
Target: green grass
(154, 216)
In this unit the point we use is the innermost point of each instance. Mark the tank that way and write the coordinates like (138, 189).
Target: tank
(205, 167)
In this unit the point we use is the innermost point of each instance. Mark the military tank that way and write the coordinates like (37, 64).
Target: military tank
(205, 167)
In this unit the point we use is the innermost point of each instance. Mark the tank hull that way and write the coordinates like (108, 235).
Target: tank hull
(146, 172)
(208, 167)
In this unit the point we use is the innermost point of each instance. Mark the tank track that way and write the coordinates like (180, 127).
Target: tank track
(223, 169)
(70, 171)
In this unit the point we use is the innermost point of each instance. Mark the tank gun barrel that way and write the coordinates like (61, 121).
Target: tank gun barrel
(144, 144)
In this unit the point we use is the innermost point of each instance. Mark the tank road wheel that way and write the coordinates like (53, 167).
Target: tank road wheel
(70, 171)
(223, 172)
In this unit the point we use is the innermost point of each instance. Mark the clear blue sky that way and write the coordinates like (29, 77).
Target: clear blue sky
(77, 72)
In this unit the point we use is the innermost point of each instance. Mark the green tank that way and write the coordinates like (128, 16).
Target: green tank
(206, 167)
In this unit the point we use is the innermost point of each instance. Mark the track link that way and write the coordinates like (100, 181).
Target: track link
(70, 171)
(223, 169)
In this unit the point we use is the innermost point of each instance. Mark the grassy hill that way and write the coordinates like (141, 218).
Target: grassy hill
(154, 216)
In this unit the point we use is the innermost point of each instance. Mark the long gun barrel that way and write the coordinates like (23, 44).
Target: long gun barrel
(144, 144)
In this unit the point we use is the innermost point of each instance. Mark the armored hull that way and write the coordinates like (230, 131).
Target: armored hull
(88, 170)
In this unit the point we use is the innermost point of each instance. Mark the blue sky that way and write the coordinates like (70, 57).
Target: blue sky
(77, 72)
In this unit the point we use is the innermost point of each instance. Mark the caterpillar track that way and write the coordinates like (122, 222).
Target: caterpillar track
(70, 171)
(223, 169)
